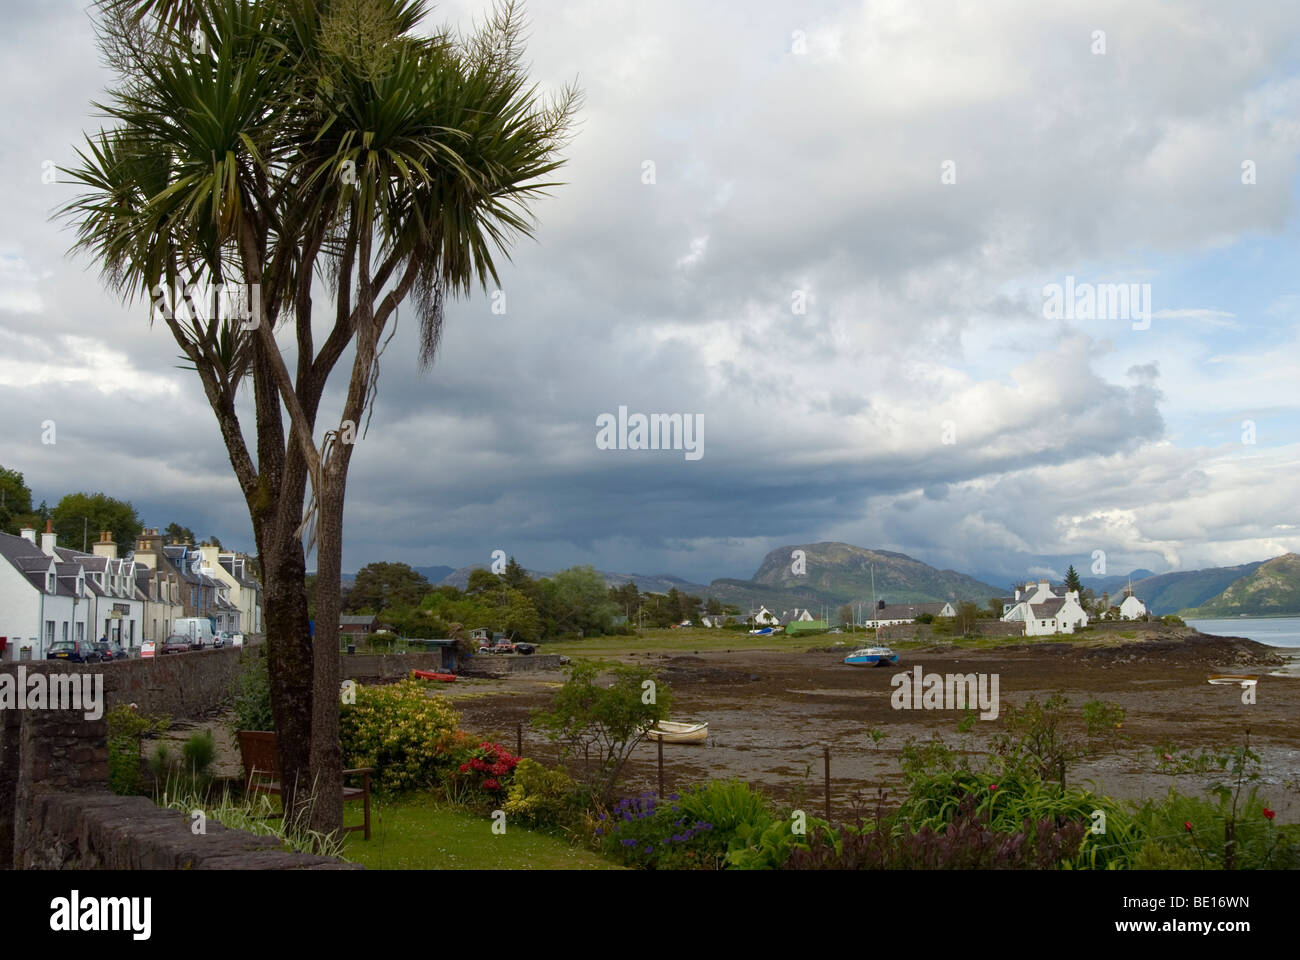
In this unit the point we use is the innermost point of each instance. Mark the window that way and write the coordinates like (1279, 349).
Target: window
(81, 630)
(65, 631)
(49, 631)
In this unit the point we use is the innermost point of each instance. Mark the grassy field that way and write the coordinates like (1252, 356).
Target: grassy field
(416, 832)
(701, 640)
(688, 640)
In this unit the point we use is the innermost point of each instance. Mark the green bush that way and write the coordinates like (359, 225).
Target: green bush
(409, 737)
(543, 797)
(251, 692)
(198, 752)
(126, 728)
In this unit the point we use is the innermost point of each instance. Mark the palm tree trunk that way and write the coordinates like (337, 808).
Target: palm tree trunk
(326, 750)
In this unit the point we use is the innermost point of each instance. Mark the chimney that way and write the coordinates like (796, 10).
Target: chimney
(28, 533)
(48, 539)
(105, 547)
(209, 556)
(1017, 596)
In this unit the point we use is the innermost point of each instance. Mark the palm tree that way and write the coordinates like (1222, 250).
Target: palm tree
(270, 143)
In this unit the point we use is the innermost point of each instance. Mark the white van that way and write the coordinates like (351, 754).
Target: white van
(198, 630)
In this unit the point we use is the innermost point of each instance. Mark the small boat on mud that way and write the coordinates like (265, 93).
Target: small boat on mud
(1241, 679)
(672, 731)
(431, 675)
(871, 657)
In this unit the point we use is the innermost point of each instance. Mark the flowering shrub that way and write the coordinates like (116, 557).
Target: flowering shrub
(542, 797)
(484, 773)
(654, 834)
(409, 737)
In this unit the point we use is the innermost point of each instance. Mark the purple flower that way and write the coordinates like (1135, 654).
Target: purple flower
(602, 816)
(599, 831)
(649, 849)
(627, 816)
(629, 843)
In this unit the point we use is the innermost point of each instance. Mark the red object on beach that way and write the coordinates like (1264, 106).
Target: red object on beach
(430, 675)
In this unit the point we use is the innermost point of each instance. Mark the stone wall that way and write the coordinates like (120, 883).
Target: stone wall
(389, 667)
(181, 685)
(96, 830)
(56, 811)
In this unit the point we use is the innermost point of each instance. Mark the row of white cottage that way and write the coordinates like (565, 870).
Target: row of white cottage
(50, 594)
(1044, 612)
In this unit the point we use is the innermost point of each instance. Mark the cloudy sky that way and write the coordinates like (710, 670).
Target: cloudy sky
(825, 229)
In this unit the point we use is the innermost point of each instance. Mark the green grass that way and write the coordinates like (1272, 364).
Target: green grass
(689, 640)
(417, 832)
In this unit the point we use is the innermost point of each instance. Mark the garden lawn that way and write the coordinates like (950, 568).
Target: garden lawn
(415, 831)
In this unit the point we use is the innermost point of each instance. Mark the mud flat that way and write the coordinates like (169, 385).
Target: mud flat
(770, 713)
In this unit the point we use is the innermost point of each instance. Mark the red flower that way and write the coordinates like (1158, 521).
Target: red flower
(1187, 825)
(491, 784)
(1269, 813)
(464, 768)
(992, 787)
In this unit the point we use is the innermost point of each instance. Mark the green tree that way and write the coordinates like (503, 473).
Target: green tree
(515, 576)
(581, 601)
(846, 614)
(967, 613)
(271, 142)
(600, 724)
(379, 586)
(175, 533)
(1072, 581)
(15, 501)
(79, 518)
(713, 606)
(483, 581)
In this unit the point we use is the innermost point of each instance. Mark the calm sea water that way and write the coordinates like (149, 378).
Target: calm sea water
(1275, 631)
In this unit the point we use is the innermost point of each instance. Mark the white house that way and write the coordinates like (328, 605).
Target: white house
(766, 618)
(1132, 608)
(790, 616)
(1044, 612)
(245, 593)
(890, 614)
(42, 600)
(116, 605)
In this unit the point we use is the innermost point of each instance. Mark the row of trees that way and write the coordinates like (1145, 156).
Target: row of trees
(572, 602)
(77, 518)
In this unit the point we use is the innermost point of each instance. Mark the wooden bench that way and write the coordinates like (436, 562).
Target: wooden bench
(262, 772)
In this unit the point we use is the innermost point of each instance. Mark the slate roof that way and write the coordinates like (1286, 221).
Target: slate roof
(1047, 609)
(25, 557)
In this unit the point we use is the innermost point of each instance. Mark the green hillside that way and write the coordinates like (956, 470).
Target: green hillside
(843, 572)
(1272, 589)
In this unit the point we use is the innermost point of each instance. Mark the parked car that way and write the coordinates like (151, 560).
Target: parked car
(236, 639)
(176, 644)
(222, 639)
(110, 650)
(525, 648)
(74, 651)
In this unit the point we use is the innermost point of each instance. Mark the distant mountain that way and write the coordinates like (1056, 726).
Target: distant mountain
(1171, 592)
(1272, 588)
(434, 574)
(843, 572)
(1115, 583)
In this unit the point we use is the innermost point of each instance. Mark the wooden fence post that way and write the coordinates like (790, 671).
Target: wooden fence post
(660, 742)
(826, 756)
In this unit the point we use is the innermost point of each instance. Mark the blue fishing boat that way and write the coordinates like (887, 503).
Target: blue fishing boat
(871, 657)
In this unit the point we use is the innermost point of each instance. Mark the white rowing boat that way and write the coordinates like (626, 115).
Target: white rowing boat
(672, 731)
(1242, 679)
